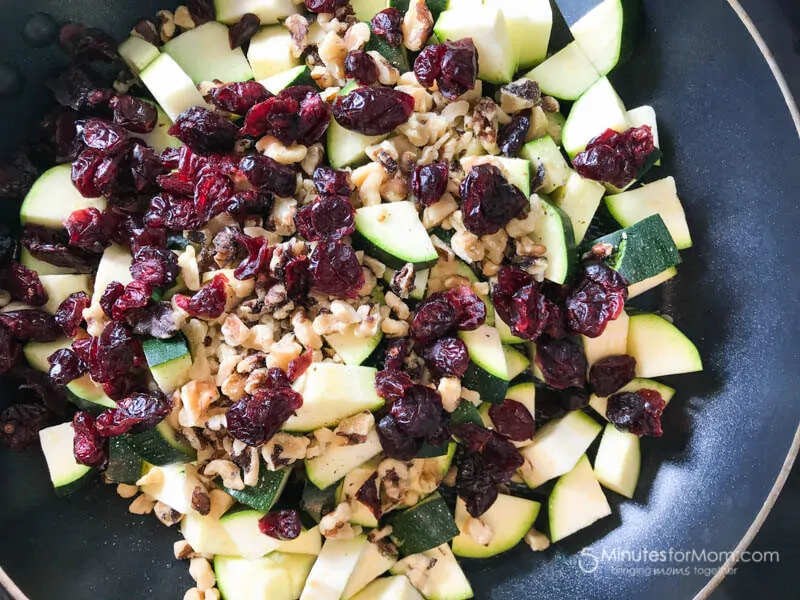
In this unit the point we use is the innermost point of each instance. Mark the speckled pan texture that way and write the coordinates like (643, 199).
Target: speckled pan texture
(730, 142)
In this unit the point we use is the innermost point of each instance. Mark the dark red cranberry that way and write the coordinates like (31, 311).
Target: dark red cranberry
(512, 136)
(281, 524)
(335, 270)
(447, 357)
(394, 442)
(110, 176)
(297, 277)
(56, 251)
(298, 366)
(502, 458)
(638, 412)
(83, 172)
(489, 201)
(276, 378)
(137, 294)
(361, 66)
(172, 212)
(87, 230)
(266, 173)
(611, 373)
(87, 44)
(111, 294)
(204, 131)
(111, 355)
(89, 447)
(73, 88)
(373, 111)
(146, 168)
(329, 218)
(134, 414)
(470, 309)
(104, 136)
(10, 351)
(418, 412)
(368, 495)
(202, 11)
(17, 177)
(429, 182)
(157, 267)
(24, 285)
(472, 436)
(428, 65)
(513, 420)
(256, 418)
(453, 65)
(475, 485)
(259, 255)
(562, 363)
(434, 318)
(395, 355)
(209, 302)
(314, 119)
(598, 297)
(331, 182)
(325, 6)
(212, 194)
(388, 24)
(20, 425)
(239, 97)
(616, 158)
(242, 32)
(392, 384)
(251, 202)
(30, 325)
(277, 117)
(176, 184)
(519, 301)
(123, 386)
(134, 114)
(298, 93)
(65, 366)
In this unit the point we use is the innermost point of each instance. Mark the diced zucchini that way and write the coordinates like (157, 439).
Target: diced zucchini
(371, 564)
(88, 395)
(393, 233)
(554, 231)
(506, 336)
(162, 445)
(487, 372)
(600, 403)
(525, 394)
(565, 75)
(660, 348)
(268, 11)
(516, 361)
(637, 289)
(618, 461)
(348, 148)
(353, 350)
(445, 580)
(366, 9)
(66, 473)
(577, 501)
(348, 490)
(612, 342)
(172, 88)
(423, 527)
(270, 52)
(37, 353)
(606, 32)
(53, 198)
(206, 535)
(114, 266)
(334, 566)
(242, 528)
(205, 54)
(278, 576)
(300, 75)
(529, 24)
(173, 485)
(544, 153)
(338, 461)
(509, 519)
(264, 494)
(397, 587)
(397, 57)
(599, 108)
(169, 362)
(137, 53)
(579, 198)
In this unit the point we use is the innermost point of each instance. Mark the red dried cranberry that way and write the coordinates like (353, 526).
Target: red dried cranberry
(512, 136)
(329, 218)
(30, 325)
(521, 304)
(10, 351)
(489, 201)
(325, 6)
(459, 68)
(109, 177)
(297, 277)
(212, 194)
(276, 378)
(638, 412)
(434, 318)
(259, 255)
(429, 182)
(392, 384)
(20, 425)
(87, 44)
(175, 183)
(146, 168)
(202, 11)
(611, 373)
(502, 458)
(242, 32)
(239, 97)
(314, 118)
(598, 297)
(111, 355)
(332, 182)
(513, 420)
(447, 357)
(418, 412)
(373, 111)
(69, 314)
(24, 285)
(394, 442)
(134, 414)
(395, 354)
(562, 363)
(83, 172)
(475, 485)
(361, 66)
(251, 202)
(88, 447)
(111, 294)
(281, 524)
(134, 114)
(157, 267)
(298, 93)
(137, 294)
(428, 65)
(256, 418)
(123, 386)
(172, 212)
(470, 309)
(277, 117)
(368, 495)
(87, 230)
(65, 366)
(388, 24)
(266, 173)
(616, 158)
(55, 251)
(335, 270)
(209, 302)
(104, 136)
(473, 436)
(204, 131)
(298, 366)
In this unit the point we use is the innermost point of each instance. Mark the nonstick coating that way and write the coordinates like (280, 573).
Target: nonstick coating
(731, 144)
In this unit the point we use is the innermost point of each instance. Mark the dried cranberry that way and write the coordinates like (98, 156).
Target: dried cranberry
(447, 357)
(87, 230)
(89, 447)
(212, 195)
(51, 247)
(239, 97)
(137, 294)
(521, 304)
(87, 44)
(562, 363)
(243, 31)
(428, 65)
(209, 302)
(616, 158)
(251, 202)
(314, 118)
(512, 136)
(73, 88)
(297, 277)
(418, 412)
(638, 412)
(368, 495)
(329, 218)
(470, 309)
(361, 66)
(104, 136)
(335, 270)
(17, 177)
(30, 325)
(332, 182)
(388, 24)
(259, 255)
(134, 114)
(157, 267)
(204, 131)
(598, 297)
(10, 351)
(110, 175)
(373, 111)
(325, 6)
(123, 386)
(83, 172)
(429, 182)
(281, 524)
(298, 366)
(264, 172)
(146, 168)
(434, 318)
(489, 201)
(276, 378)
(502, 457)
(395, 354)
(453, 65)
(475, 485)
(473, 436)
(202, 11)
(513, 420)
(65, 366)
(256, 418)
(611, 373)
(20, 425)
(392, 384)
(172, 212)
(394, 442)
(134, 414)
(277, 117)
(24, 285)
(111, 294)
(111, 355)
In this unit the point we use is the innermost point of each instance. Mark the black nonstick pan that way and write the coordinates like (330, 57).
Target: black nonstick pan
(731, 434)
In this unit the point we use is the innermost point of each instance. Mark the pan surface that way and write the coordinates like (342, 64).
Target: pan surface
(731, 143)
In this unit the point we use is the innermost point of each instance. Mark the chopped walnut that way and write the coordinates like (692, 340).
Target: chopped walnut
(167, 515)
(284, 449)
(183, 18)
(450, 390)
(283, 216)
(304, 331)
(417, 568)
(196, 399)
(336, 525)
(357, 36)
(127, 491)
(284, 351)
(525, 246)
(537, 540)
(313, 158)
(387, 74)
(187, 261)
(201, 500)
(183, 550)
(142, 505)
(298, 27)
(202, 573)
(470, 396)
(166, 29)
(479, 531)
(434, 214)
(394, 328)
(228, 471)
(519, 95)
(450, 477)
(485, 123)
(221, 501)
(374, 265)
(370, 321)
(355, 429)
(399, 307)
(417, 25)
(286, 155)
(402, 284)
(333, 50)
(468, 246)
(368, 180)
(194, 594)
